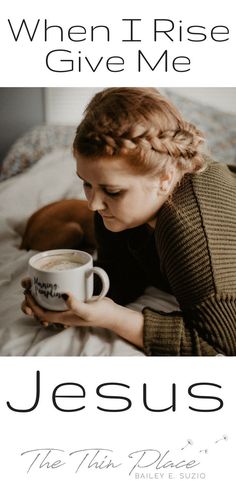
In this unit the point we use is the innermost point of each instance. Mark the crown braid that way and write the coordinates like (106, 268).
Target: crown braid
(141, 126)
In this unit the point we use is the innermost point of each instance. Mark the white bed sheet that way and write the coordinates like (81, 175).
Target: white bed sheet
(52, 178)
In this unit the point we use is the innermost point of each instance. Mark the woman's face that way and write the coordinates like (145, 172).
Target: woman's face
(123, 198)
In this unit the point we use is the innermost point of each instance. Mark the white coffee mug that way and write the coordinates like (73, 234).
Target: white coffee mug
(60, 271)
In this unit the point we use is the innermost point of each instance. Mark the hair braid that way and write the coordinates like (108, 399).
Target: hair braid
(141, 126)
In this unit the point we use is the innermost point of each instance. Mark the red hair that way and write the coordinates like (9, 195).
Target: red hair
(141, 126)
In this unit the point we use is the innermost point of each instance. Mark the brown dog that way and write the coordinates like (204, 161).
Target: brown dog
(66, 224)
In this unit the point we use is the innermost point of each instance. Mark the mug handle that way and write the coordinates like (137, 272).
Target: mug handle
(105, 282)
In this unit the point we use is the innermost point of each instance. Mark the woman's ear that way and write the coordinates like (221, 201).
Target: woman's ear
(166, 180)
(170, 180)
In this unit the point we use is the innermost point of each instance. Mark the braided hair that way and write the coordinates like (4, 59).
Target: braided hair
(141, 126)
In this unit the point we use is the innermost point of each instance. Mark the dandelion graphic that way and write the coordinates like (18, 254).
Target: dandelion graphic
(205, 451)
(189, 443)
(224, 438)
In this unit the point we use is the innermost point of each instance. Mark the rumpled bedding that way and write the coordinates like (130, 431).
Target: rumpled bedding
(52, 178)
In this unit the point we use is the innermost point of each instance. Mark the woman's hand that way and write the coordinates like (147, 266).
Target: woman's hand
(94, 313)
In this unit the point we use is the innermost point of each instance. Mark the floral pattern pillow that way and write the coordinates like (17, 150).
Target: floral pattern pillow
(219, 127)
(35, 143)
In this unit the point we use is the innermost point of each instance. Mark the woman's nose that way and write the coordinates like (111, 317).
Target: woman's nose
(96, 202)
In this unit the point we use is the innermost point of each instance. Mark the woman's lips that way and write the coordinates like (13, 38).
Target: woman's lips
(104, 216)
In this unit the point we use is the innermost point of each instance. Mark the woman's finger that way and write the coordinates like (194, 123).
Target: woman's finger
(26, 283)
(79, 308)
(26, 309)
(42, 322)
(37, 310)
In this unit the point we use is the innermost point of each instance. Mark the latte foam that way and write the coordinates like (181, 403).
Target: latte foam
(58, 263)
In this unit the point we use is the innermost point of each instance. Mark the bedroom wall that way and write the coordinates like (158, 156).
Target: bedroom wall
(221, 98)
(65, 106)
(21, 108)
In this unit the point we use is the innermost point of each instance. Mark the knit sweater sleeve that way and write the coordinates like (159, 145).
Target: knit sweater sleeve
(197, 247)
(209, 329)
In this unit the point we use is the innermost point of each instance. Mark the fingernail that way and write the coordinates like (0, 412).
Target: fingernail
(64, 297)
(26, 291)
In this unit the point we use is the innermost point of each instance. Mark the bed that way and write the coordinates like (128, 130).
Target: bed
(39, 169)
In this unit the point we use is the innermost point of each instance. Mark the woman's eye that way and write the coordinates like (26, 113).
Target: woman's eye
(86, 185)
(112, 194)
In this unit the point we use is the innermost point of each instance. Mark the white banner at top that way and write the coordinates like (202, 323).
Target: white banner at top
(173, 44)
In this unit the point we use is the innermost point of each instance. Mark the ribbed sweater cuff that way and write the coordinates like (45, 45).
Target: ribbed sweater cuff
(162, 332)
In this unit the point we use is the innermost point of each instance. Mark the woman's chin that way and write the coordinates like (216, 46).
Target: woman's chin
(113, 225)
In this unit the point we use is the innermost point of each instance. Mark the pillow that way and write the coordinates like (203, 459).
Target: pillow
(219, 127)
(30, 147)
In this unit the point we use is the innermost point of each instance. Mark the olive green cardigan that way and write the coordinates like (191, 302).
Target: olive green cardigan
(191, 254)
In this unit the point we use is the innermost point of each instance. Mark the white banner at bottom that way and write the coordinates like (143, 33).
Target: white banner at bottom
(117, 418)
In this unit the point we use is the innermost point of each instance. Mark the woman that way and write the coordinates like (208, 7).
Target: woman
(164, 216)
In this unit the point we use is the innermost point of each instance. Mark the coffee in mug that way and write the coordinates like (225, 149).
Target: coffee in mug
(59, 262)
(60, 271)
